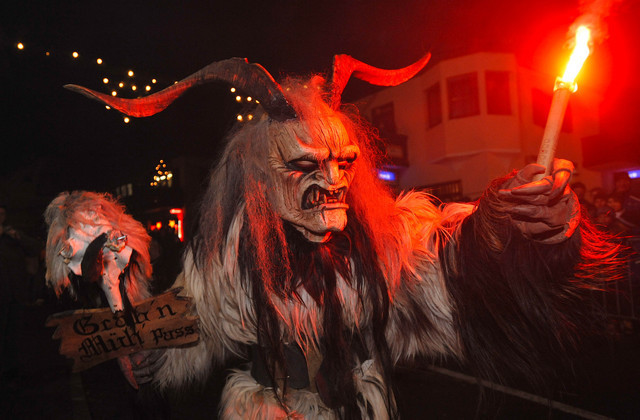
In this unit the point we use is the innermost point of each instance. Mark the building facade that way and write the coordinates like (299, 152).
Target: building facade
(470, 119)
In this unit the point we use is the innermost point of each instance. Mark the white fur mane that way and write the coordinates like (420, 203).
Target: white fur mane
(228, 321)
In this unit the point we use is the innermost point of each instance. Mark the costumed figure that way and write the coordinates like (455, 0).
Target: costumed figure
(98, 255)
(308, 267)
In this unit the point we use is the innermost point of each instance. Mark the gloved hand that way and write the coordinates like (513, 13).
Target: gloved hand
(547, 210)
(139, 368)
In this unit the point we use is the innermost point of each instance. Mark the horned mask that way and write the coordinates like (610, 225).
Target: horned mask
(310, 161)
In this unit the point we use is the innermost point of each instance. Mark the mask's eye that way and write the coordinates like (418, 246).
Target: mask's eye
(303, 165)
(346, 162)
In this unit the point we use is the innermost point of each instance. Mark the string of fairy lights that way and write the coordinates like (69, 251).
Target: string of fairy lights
(127, 83)
(248, 99)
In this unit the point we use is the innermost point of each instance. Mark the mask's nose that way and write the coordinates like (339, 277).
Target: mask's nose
(111, 285)
(332, 172)
(114, 264)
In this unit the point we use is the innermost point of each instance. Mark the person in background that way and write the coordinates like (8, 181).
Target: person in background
(600, 206)
(621, 224)
(580, 190)
(15, 249)
(596, 191)
(630, 201)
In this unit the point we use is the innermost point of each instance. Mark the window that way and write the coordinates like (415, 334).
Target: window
(498, 93)
(463, 95)
(383, 118)
(541, 102)
(125, 190)
(434, 105)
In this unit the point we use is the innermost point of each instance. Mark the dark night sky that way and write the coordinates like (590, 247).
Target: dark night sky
(84, 146)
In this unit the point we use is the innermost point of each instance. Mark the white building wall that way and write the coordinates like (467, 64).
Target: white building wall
(479, 148)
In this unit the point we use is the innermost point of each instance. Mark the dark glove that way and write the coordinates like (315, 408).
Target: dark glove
(547, 210)
(140, 367)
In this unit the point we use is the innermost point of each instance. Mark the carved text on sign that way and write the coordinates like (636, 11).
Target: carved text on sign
(93, 336)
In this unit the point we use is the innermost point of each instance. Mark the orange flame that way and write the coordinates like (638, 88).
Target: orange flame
(579, 54)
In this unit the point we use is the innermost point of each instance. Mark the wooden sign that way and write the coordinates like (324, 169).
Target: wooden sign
(93, 336)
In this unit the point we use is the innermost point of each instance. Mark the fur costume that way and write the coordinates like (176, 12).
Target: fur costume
(306, 265)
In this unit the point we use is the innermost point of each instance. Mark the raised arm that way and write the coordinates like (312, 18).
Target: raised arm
(519, 272)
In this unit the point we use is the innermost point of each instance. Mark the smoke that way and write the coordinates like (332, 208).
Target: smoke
(594, 14)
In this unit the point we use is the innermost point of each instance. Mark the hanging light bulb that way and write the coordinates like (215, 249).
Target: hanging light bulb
(20, 46)
(121, 84)
(126, 120)
(99, 61)
(147, 88)
(130, 73)
(75, 54)
(114, 93)
(105, 80)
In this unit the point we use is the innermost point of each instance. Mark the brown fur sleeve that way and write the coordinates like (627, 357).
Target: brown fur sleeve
(521, 306)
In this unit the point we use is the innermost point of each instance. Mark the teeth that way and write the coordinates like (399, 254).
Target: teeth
(318, 196)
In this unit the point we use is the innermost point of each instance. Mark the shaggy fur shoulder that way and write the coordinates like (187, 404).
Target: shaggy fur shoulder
(421, 319)
(226, 318)
(523, 307)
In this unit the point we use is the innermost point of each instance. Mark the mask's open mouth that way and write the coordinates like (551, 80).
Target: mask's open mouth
(316, 196)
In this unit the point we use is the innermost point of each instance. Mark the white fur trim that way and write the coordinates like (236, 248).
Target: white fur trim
(244, 398)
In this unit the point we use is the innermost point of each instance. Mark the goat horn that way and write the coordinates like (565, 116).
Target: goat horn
(251, 78)
(344, 66)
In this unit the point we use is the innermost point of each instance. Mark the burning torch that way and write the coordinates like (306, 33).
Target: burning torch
(563, 88)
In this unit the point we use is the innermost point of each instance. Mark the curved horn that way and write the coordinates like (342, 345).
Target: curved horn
(344, 66)
(251, 78)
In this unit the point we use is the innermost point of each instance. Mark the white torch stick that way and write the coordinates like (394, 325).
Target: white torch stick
(563, 88)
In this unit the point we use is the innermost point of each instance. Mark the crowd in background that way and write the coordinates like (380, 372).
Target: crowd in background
(616, 212)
